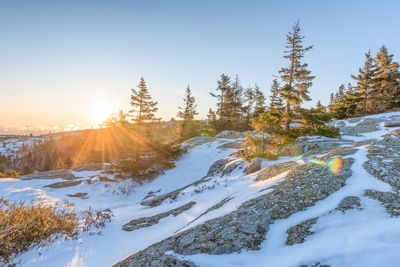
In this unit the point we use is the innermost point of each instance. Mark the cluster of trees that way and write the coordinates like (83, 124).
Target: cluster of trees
(236, 107)
(133, 135)
(285, 119)
(377, 88)
(241, 109)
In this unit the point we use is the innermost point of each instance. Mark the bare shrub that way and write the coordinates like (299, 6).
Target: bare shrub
(95, 219)
(24, 225)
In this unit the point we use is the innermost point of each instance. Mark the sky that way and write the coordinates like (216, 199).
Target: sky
(61, 61)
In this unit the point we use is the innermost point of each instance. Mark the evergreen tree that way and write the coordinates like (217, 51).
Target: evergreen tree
(143, 107)
(319, 106)
(366, 88)
(211, 122)
(122, 118)
(296, 76)
(187, 114)
(387, 81)
(224, 86)
(259, 101)
(236, 105)
(248, 107)
(229, 105)
(276, 102)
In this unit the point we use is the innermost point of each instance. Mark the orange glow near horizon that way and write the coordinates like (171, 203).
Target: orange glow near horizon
(100, 112)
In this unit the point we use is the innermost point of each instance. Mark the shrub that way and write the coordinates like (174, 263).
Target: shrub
(10, 174)
(95, 219)
(23, 225)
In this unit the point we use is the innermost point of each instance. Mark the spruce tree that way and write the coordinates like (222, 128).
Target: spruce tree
(259, 101)
(248, 107)
(143, 107)
(229, 105)
(387, 81)
(187, 114)
(211, 122)
(276, 102)
(366, 88)
(296, 76)
(224, 86)
(236, 105)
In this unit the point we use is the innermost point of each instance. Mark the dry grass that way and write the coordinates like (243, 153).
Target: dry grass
(24, 225)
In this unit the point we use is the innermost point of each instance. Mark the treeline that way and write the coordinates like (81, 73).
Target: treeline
(377, 88)
(242, 109)
(138, 138)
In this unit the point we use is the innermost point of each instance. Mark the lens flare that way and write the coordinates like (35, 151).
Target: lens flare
(334, 165)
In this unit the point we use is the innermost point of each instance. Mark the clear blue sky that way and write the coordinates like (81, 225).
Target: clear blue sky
(58, 58)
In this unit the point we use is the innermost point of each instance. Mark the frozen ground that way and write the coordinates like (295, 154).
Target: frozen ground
(366, 237)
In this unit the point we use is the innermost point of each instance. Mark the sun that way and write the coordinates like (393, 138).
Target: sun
(100, 112)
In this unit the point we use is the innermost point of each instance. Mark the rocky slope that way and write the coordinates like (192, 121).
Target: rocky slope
(306, 185)
(336, 205)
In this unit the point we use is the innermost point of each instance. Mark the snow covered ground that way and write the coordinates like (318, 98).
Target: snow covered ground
(367, 237)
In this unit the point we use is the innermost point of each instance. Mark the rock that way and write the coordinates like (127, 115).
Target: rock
(253, 166)
(149, 221)
(274, 170)
(390, 200)
(64, 184)
(218, 166)
(318, 264)
(198, 140)
(392, 124)
(384, 160)
(157, 200)
(297, 234)
(231, 166)
(365, 126)
(230, 135)
(246, 227)
(395, 133)
(79, 195)
(234, 145)
(214, 207)
(349, 203)
(63, 174)
(317, 144)
(91, 167)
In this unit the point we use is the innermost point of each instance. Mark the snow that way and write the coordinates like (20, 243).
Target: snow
(334, 232)
(95, 250)
(367, 237)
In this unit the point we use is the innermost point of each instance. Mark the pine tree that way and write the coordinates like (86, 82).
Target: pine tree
(366, 89)
(259, 101)
(319, 106)
(296, 76)
(387, 81)
(224, 86)
(276, 102)
(248, 107)
(122, 118)
(143, 107)
(229, 106)
(211, 122)
(187, 114)
(236, 105)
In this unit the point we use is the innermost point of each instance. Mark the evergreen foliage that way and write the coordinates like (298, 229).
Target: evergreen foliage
(296, 77)
(143, 107)
(187, 114)
(377, 88)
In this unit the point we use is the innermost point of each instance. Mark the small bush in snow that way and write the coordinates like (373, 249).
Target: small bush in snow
(23, 225)
(95, 219)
